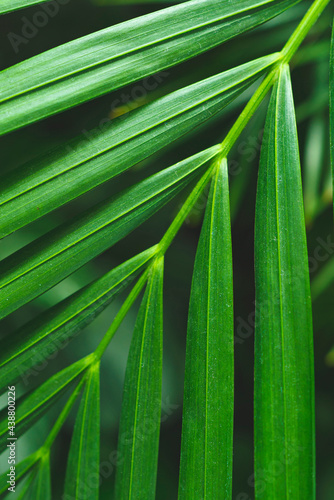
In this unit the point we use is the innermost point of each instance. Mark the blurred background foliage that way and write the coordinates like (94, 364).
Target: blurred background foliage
(310, 68)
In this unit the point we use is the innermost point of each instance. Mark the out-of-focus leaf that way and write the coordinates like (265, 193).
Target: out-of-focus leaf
(40, 265)
(43, 185)
(51, 331)
(284, 373)
(32, 407)
(323, 279)
(331, 104)
(207, 428)
(313, 166)
(138, 440)
(114, 57)
(82, 473)
(330, 357)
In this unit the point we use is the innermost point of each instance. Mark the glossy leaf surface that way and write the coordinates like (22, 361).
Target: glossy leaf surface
(139, 431)
(207, 427)
(83, 465)
(49, 259)
(33, 405)
(284, 379)
(114, 57)
(37, 340)
(44, 184)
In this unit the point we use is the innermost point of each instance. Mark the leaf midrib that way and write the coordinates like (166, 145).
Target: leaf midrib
(279, 84)
(208, 326)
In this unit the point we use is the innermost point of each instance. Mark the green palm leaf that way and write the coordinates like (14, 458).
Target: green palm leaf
(9, 5)
(27, 466)
(207, 428)
(32, 406)
(43, 185)
(37, 267)
(82, 473)
(114, 57)
(138, 440)
(40, 486)
(92, 66)
(24, 491)
(38, 339)
(284, 380)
